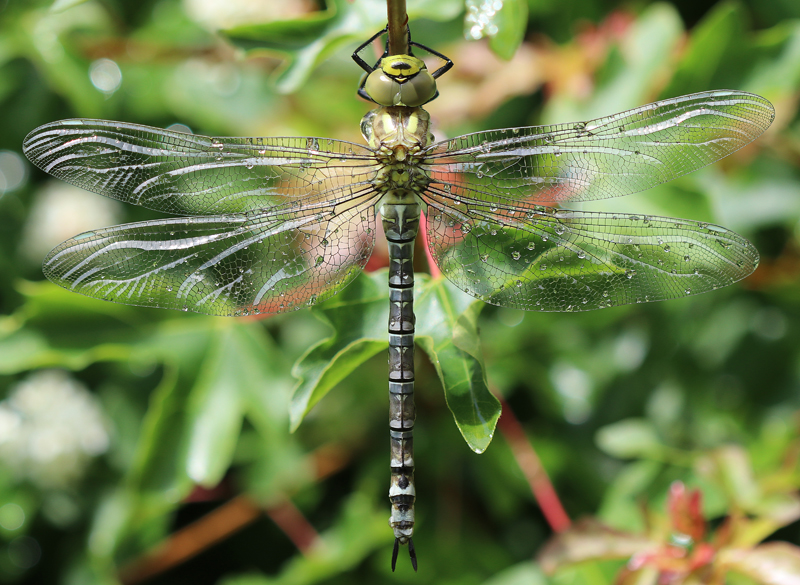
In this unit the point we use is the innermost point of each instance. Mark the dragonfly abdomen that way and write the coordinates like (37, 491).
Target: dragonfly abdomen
(400, 213)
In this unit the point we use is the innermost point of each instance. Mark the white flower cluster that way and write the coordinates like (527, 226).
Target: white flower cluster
(479, 20)
(51, 427)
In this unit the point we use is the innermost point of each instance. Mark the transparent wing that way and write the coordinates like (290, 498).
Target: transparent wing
(541, 258)
(186, 174)
(608, 157)
(222, 265)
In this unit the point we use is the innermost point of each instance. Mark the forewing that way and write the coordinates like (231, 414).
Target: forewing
(187, 174)
(608, 157)
(240, 264)
(541, 258)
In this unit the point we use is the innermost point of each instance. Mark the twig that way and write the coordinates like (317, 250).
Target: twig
(191, 540)
(532, 468)
(398, 26)
(227, 520)
(294, 525)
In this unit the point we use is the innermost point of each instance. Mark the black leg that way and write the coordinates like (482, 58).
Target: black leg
(447, 62)
(361, 63)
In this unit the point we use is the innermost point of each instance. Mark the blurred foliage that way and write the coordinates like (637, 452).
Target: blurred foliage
(620, 404)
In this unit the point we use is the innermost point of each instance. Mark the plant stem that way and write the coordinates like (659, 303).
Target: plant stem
(532, 468)
(398, 26)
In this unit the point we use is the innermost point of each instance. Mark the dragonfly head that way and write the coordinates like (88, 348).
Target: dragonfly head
(401, 80)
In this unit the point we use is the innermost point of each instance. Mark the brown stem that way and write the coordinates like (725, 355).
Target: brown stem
(398, 26)
(195, 538)
(227, 520)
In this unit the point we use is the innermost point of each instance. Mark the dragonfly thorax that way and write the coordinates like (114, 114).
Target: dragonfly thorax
(397, 132)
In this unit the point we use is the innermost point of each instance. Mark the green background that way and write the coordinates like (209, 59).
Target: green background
(618, 403)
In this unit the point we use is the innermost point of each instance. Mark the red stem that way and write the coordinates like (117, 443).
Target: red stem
(291, 520)
(532, 468)
(423, 230)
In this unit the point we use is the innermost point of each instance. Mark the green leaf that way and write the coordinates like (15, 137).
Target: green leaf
(734, 472)
(238, 361)
(713, 46)
(633, 72)
(621, 506)
(504, 22)
(358, 317)
(447, 331)
(307, 41)
(62, 5)
(629, 438)
(357, 534)
(526, 573)
(774, 563)
(589, 540)
(160, 466)
(113, 511)
(63, 64)
(28, 349)
(776, 72)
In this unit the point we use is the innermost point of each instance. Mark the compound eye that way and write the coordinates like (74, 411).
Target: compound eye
(418, 90)
(382, 89)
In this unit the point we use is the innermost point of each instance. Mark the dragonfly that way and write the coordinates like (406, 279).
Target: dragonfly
(270, 225)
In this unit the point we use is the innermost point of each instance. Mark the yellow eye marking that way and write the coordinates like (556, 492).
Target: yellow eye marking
(402, 66)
